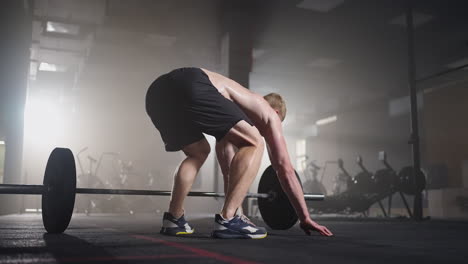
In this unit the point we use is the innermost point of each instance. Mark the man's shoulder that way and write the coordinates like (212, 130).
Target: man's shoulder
(272, 127)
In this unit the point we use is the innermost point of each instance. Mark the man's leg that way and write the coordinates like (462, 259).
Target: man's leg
(225, 151)
(244, 165)
(185, 175)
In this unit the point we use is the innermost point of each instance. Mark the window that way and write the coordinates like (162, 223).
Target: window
(62, 28)
(300, 155)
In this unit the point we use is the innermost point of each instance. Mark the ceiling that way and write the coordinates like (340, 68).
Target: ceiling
(357, 50)
(321, 54)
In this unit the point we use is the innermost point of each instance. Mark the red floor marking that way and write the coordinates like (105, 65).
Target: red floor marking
(113, 258)
(198, 251)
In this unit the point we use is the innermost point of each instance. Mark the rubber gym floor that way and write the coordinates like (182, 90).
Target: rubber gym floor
(136, 239)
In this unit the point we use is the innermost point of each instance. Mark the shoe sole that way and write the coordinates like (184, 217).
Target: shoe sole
(175, 232)
(225, 235)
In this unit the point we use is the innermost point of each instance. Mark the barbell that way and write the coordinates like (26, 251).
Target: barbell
(59, 190)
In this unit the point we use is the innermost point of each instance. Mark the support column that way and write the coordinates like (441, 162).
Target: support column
(414, 140)
(15, 29)
(238, 23)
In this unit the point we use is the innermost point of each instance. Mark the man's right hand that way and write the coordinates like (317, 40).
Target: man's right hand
(309, 225)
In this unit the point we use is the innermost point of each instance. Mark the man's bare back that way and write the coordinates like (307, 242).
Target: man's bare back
(258, 110)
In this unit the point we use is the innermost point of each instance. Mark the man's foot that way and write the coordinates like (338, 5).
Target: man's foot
(236, 227)
(175, 227)
(246, 219)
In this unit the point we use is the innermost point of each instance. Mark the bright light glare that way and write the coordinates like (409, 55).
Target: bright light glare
(44, 66)
(42, 121)
(2, 142)
(32, 210)
(327, 120)
(57, 27)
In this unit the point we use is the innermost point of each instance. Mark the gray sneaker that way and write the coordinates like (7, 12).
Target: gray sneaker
(175, 227)
(237, 227)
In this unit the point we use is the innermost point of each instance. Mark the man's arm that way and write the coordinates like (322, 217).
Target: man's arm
(281, 162)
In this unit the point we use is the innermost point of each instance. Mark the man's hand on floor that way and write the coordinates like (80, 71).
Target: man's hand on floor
(309, 225)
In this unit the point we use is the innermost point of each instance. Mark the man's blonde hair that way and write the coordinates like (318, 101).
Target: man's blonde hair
(277, 102)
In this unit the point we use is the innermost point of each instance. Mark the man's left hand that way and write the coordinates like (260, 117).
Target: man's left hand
(309, 225)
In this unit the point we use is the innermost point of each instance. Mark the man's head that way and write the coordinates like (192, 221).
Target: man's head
(277, 103)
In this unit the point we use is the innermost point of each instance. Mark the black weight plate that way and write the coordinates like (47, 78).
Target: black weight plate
(277, 212)
(58, 198)
(406, 182)
(362, 183)
(385, 181)
(359, 203)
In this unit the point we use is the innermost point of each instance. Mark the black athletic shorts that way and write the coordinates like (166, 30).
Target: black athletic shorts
(183, 104)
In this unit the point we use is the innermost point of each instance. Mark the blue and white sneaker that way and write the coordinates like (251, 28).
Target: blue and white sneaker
(237, 227)
(175, 227)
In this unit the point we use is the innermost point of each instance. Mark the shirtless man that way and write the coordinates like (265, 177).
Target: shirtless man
(188, 101)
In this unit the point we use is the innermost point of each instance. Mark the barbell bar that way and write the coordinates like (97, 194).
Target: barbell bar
(40, 189)
(59, 190)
